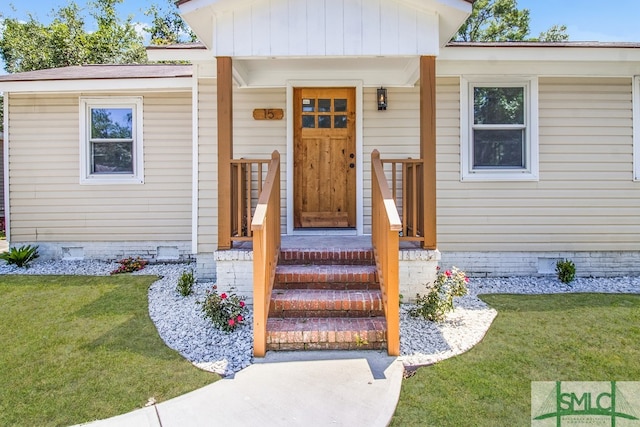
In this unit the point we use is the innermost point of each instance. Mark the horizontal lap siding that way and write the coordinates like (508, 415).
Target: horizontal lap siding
(256, 139)
(394, 132)
(49, 205)
(585, 199)
(207, 167)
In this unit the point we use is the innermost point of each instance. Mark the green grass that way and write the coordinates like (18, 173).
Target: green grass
(576, 337)
(79, 348)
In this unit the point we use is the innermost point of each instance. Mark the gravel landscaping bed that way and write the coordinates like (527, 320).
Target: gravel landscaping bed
(180, 323)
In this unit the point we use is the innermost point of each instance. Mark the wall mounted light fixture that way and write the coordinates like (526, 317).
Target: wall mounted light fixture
(382, 99)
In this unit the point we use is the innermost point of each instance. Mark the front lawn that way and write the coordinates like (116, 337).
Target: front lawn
(575, 337)
(80, 348)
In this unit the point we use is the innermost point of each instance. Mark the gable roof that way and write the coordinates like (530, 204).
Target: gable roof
(100, 77)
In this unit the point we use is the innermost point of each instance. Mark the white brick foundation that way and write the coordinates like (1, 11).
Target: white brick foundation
(111, 251)
(501, 264)
(234, 272)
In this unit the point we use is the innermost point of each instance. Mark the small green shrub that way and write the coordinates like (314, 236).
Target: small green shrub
(438, 302)
(226, 311)
(127, 265)
(21, 256)
(185, 283)
(566, 270)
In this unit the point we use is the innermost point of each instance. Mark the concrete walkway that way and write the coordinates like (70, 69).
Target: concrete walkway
(286, 389)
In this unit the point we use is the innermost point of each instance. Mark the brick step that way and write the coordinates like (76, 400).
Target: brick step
(326, 277)
(326, 334)
(325, 303)
(327, 256)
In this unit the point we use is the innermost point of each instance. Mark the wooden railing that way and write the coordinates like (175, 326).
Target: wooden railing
(386, 227)
(408, 194)
(266, 249)
(247, 177)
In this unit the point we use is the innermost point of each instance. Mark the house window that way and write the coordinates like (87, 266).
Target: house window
(499, 130)
(111, 140)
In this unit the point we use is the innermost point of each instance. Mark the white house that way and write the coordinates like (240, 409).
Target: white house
(499, 158)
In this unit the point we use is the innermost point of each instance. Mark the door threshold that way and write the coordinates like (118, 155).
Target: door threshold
(324, 232)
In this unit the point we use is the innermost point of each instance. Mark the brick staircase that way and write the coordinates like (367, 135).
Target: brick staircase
(326, 299)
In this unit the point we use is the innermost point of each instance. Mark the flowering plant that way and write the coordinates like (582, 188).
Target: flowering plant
(438, 302)
(127, 265)
(226, 311)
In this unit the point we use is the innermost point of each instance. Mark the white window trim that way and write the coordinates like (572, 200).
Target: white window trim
(532, 170)
(636, 127)
(86, 178)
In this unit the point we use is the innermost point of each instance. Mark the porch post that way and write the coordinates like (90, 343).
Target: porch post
(225, 149)
(428, 148)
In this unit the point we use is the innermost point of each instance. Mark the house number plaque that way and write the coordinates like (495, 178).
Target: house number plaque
(268, 114)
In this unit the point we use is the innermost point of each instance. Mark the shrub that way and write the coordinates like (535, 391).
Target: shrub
(185, 283)
(438, 302)
(127, 265)
(21, 256)
(226, 311)
(566, 270)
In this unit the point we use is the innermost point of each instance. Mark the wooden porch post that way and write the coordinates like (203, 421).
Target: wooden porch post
(428, 148)
(225, 149)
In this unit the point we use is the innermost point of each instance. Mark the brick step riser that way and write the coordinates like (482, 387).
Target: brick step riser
(336, 277)
(326, 258)
(301, 314)
(337, 286)
(326, 346)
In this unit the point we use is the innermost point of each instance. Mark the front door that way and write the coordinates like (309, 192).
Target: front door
(324, 158)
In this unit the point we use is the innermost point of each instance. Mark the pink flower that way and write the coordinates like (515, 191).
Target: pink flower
(239, 318)
(466, 280)
(223, 296)
(447, 273)
(232, 322)
(241, 303)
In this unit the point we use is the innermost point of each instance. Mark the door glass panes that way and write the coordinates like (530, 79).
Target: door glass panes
(324, 105)
(340, 105)
(324, 122)
(308, 105)
(309, 122)
(340, 122)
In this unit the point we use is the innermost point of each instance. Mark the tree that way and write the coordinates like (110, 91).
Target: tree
(167, 26)
(500, 21)
(31, 45)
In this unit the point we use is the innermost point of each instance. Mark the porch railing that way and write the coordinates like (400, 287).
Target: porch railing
(265, 227)
(408, 194)
(386, 226)
(247, 177)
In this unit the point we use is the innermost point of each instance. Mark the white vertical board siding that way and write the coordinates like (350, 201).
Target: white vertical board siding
(325, 28)
(207, 166)
(394, 132)
(49, 205)
(256, 139)
(585, 200)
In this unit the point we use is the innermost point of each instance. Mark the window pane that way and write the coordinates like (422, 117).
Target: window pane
(308, 105)
(339, 105)
(498, 105)
(498, 148)
(112, 157)
(324, 105)
(340, 122)
(309, 122)
(107, 123)
(324, 122)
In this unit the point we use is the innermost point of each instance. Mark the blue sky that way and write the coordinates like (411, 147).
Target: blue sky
(590, 20)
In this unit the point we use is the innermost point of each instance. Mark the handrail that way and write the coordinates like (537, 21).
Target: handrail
(386, 226)
(246, 186)
(408, 194)
(266, 249)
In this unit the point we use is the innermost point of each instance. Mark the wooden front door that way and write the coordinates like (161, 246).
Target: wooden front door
(324, 158)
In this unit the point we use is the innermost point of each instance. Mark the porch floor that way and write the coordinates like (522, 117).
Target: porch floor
(327, 242)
